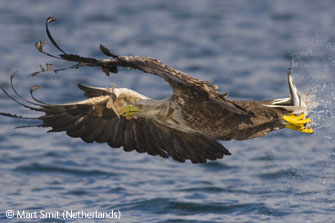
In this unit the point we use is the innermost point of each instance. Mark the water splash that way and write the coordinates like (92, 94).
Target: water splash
(316, 71)
(315, 67)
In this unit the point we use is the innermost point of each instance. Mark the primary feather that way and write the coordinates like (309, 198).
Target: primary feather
(185, 126)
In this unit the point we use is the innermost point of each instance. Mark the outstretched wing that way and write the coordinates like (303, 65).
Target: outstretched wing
(181, 83)
(92, 121)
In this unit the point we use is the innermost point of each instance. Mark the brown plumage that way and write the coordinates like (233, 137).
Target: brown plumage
(185, 126)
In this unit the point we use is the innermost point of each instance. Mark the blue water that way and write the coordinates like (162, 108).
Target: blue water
(245, 47)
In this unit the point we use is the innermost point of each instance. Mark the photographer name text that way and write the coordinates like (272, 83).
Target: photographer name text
(65, 214)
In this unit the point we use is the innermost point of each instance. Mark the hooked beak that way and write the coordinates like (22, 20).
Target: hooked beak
(129, 110)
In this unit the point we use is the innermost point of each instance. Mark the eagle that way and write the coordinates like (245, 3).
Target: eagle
(185, 126)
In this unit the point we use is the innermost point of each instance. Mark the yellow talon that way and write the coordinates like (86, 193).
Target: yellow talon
(299, 117)
(308, 130)
(297, 123)
(296, 120)
(295, 127)
(303, 121)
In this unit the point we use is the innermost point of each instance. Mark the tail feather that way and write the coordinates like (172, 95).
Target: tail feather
(297, 103)
(295, 96)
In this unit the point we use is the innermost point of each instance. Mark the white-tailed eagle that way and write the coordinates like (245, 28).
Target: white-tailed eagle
(186, 126)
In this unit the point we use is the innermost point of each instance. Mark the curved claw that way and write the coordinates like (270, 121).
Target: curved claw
(298, 123)
(308, 130)
(296, 120)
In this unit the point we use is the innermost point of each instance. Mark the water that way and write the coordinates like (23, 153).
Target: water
(243, 47)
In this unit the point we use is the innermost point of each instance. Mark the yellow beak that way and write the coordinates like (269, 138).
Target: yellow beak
(129, 110)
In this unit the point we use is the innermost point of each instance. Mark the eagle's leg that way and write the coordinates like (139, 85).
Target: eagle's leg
(298, 123)
(296, 119)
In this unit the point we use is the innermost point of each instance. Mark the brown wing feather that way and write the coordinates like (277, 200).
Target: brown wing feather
(92, 92)
(82, 120)
(234, 119)
(179, 81)
(142, 135)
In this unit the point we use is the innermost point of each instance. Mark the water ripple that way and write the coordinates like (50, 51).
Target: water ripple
(37, 167)
(243, 48)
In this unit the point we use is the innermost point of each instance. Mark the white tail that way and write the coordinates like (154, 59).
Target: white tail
(296, 103)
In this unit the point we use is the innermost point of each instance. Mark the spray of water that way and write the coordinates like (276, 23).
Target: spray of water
(315, 69)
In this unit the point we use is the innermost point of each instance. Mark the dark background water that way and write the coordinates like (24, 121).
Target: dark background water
(245, 47)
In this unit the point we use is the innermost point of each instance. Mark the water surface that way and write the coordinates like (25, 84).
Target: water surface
(243, 47)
